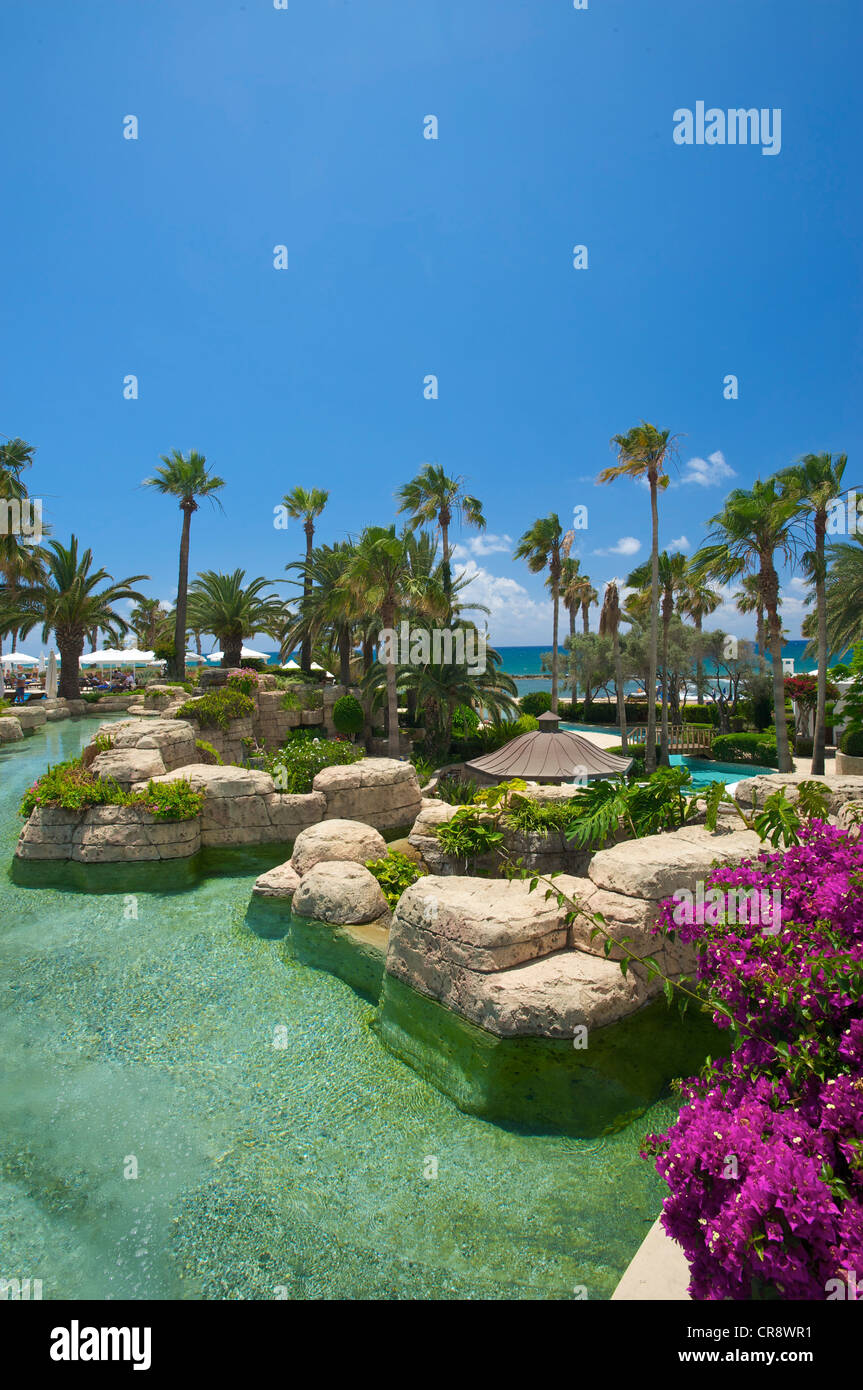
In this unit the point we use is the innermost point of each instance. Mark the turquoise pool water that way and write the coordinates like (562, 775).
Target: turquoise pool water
(141, 1030)
(704, 771)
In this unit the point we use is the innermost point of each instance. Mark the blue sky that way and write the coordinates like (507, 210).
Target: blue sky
(304, 127)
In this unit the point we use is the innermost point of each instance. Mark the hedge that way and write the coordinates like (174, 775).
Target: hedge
(852, 743)
(759, 749)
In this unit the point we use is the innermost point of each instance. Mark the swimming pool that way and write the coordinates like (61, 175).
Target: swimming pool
(704, 771)
(278, 1145)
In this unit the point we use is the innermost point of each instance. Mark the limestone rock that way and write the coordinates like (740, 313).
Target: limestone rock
(753, 791)
(383, 792)
(31, 716)
(219, 782)
(280, 882)
(337, 840)
(339, 893)
(128, 766)
(479, 923)
(658, 865)
(10, 729)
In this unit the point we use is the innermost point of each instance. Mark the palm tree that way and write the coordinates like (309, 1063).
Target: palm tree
(231, 609)
(145, 620)
(15, 456)
(696, 600)
(672, 571)
(432, 498)
(814, 482)
(746, 535)
(748, 599)
(441, 689)
(587, 596)
(379, 579)
(68, 602)
(544, 546)
(306, 503)
(845, 594)
(186, 477)
(325, 607)
(609, 626)
(643, 453)
(570, 594)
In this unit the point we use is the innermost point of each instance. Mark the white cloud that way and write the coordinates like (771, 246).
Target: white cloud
(709, 472)
(680, 544)
(482, 544)
(627, 545)
(514, 617)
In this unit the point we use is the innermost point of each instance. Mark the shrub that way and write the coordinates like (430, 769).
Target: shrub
(290, 701)
(208, 753)
(218, 707)
(425, 768)
(244, 678)
(395, 873)
(457, 791)
(787, 1104)
(171, 800)
(852, 743)
(295, 766)
(804, 747)
(93, 696)
(73, 787)
(545, 816)
(759, 749)
(537, 702)
(348, 715)
(493, 736)
(465, 722)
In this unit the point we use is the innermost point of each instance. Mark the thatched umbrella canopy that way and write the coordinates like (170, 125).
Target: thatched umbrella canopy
(549, 755)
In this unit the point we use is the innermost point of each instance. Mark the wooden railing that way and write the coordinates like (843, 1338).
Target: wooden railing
(681, 739)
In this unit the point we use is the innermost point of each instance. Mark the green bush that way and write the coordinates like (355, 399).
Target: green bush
(218, 707)
(395, 873)
(73, 787)
(537, 702)
(170, 800)
(804, 747)
(93, 696)
(290, 701)
(852, 743)
(530, 816)
(493, 736)
(244, 679)
(295, 766)
(208, 753)
(759, 749)
(465, 722)
(348, 715)
(457, 791)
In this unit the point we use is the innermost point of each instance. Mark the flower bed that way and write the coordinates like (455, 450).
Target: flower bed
(71, 786)
(765, 1162)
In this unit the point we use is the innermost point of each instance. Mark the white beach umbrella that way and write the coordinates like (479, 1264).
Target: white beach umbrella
(292, 666)
(315, 667)
(108, 656)
(246, 652)
(133, 656)
(19, 659)
(51, 678)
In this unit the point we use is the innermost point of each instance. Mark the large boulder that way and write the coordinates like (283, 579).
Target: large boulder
(339, 893)
(221, 782)
(172, 739)
(477, 923)
(31, 716)
(658, 865)
(10, 729)
(337, 840)
(280, 882)
(754, 791)
(422, 836)
(128, 766)
(383, 792)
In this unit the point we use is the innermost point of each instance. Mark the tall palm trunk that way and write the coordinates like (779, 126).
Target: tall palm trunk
(444, 520)
(770, 591)
(177, 667)
(388, 617)
(306, 648)
(667, 606)
(650, 748)
(699, 663)
(820, 732)
(621, 697)
(345, 655)
(70, 645)
(232, 648)
(555, 595)
(572, 678)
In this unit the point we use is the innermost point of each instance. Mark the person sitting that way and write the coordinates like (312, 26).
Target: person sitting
(20, 691)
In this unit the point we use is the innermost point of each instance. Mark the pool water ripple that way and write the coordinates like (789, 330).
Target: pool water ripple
(263, 1171)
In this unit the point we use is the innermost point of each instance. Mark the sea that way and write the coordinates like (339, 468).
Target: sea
(524, 664)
